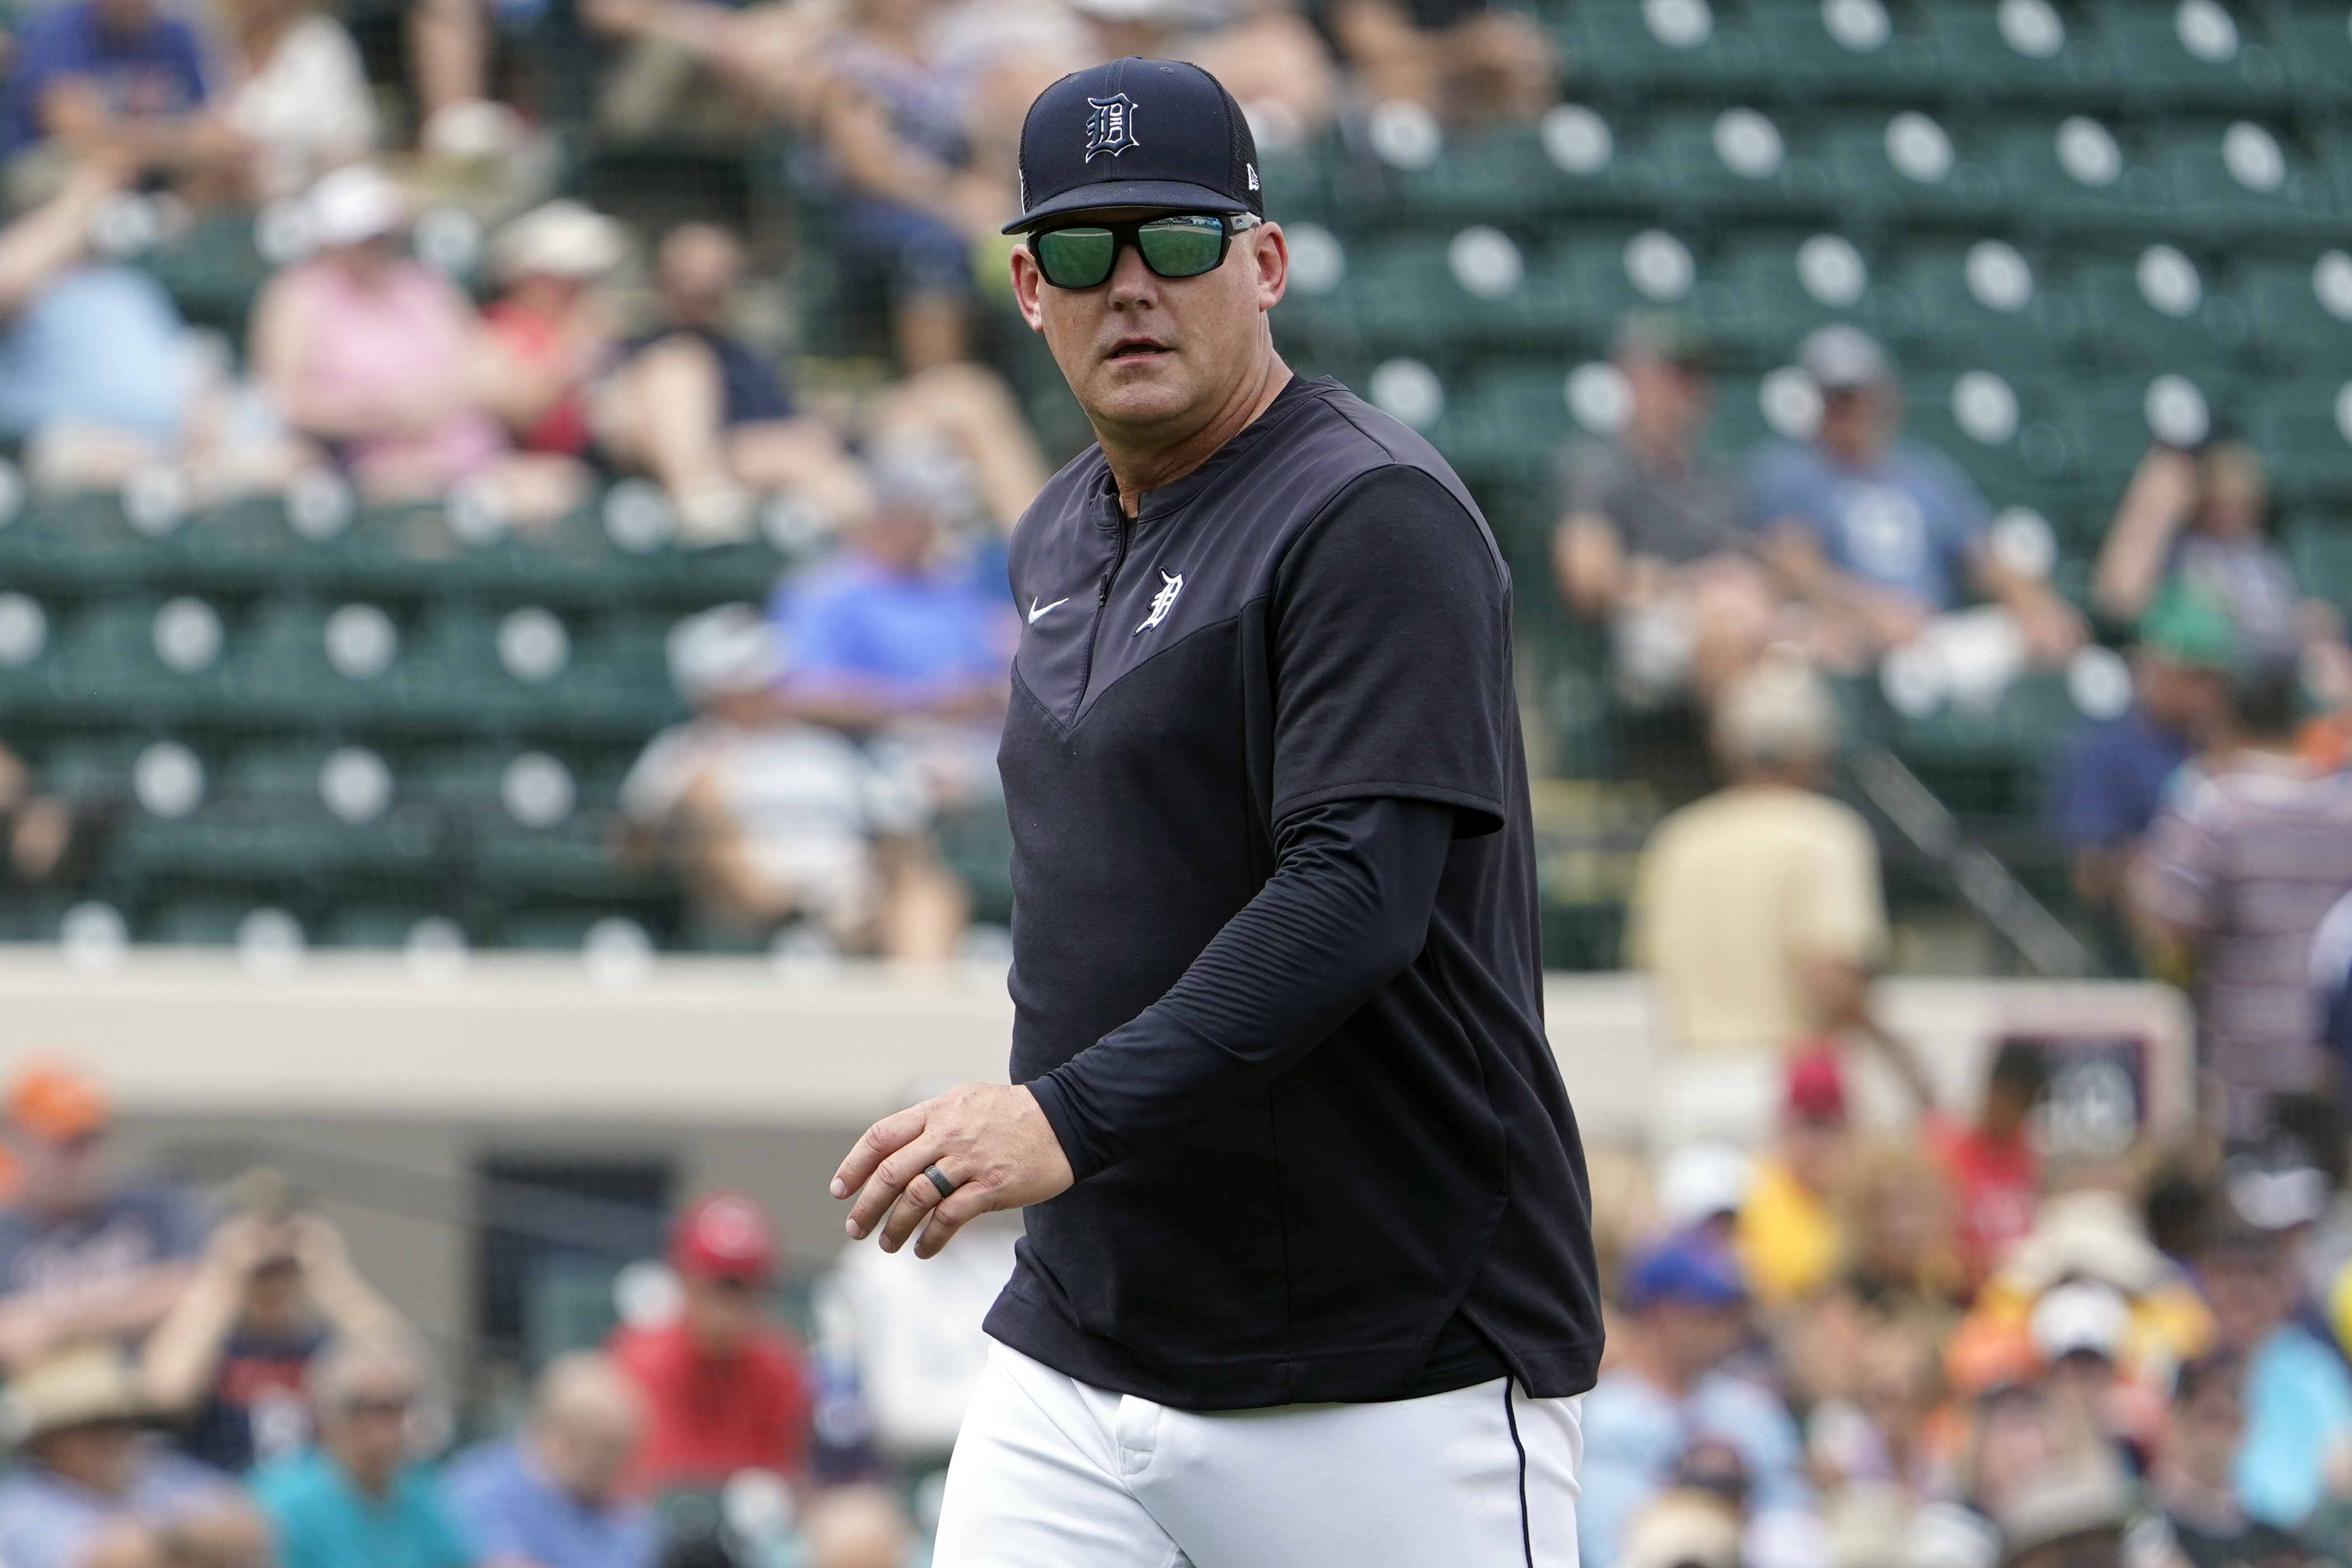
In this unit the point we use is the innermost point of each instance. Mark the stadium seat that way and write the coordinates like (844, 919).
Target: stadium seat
(2304, 431)
(1985, 302)
(2074, 172)
(2239, 180)
(2195, 54)
(1768, 290)
(1845, 49)
(2322, 562)
(1905, 165)
(2301, 309)
(1735, 163)
(2314, 39)
(1508, 422)
(2014, 51)
(2158, 309)
(1617, 50)
(1998, 427)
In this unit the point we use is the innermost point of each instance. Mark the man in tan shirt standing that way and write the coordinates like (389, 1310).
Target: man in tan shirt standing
(1757, 912)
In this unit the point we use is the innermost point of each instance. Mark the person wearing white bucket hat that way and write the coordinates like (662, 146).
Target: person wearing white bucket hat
(383, 361)
(96, 1492)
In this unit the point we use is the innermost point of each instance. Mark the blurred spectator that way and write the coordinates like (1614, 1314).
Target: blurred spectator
(99, 377)
(2201, 518)
(725, 1389)
(2237, 872)
(765, 57)
(2068, 1517)
(1470, 62)
(1895, 1214)
(909, 1337)
(554, 329)
(1264, 52)
(298, 94)
(1682, 1528)
(41, 833)
(2331, 983)
(1789, 1238)
(1992, 1166)
(856, 1527)
(2114, 773)
(118, 80)
(1701, 1187)
(2298, 1396)
(962, 414)
(2082, 1331)
(95, 1492)
(898, 159)
(383, 359)
(358, 1499)
(2194, 1480)
(1757, 911)
(1873, 1432)
(1686, 1311)
(775, 821)
(233, 1357)
(549, 1497)
(1650, 538)
(81, 1256)
(703, 412)
(1879, 534)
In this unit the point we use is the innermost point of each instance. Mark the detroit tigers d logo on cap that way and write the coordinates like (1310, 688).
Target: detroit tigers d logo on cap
(1111, 127)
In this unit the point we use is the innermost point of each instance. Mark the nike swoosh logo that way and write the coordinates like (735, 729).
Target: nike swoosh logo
(1039, 612)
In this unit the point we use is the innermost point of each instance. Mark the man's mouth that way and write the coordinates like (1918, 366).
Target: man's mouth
(1135, 347)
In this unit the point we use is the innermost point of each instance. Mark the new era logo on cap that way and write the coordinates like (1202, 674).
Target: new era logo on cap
(1083, 146)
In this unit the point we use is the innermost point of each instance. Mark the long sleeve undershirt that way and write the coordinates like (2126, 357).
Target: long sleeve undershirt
(1345, 911)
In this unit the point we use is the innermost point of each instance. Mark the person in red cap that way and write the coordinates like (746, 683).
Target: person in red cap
(725, 1388)
(82, 1256)
(1788, 1234)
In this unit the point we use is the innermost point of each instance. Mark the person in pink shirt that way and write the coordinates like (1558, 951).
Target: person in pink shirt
(384, 361)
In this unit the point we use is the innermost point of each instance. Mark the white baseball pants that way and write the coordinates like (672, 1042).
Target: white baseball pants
(1050, 1472)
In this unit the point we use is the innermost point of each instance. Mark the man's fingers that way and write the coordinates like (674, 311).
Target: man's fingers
(900, 1173)
(920, 1195)
(878, 1143)
(935, 1236)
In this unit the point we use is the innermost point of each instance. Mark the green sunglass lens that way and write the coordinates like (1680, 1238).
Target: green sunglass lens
(1076, 258)
(1181, 248)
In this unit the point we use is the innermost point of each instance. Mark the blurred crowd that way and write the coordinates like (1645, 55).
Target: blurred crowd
(211, 1381)
(2015, 1322)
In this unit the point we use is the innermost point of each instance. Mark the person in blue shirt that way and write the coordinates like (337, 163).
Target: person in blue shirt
(1878, 534)
(2299, 1393)
(119, 80)
(2114, 773)
(359, 1499)
(549, 1497)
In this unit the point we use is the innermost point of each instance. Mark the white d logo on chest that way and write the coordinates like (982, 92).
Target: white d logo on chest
(1110, 128)
(1170, 585)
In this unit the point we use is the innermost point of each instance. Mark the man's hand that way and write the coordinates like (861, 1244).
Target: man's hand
(991, 1141)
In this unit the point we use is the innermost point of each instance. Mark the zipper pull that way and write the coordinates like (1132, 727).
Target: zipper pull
(1102, 590)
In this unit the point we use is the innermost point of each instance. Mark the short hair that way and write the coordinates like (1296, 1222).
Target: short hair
(2267, 703)
(336, 1369)
(1773, 714)
(2218, 1369)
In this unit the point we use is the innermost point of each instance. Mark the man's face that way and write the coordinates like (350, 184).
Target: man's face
(1152, 357)
(721, 1311)
(2244, 1288)
(699, 264)
(1858, 422)
(587, 1448)
(62, 1175)
(368, 1431)
(1698, 1334)
(2206, 1432)
(1669, 400)
(2186, 699)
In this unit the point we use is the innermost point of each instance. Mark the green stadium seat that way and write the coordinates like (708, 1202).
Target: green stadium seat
(1499, 176)
(1842, 49)
(1592, 274)
(2314, 37)
(1733, 163)
(1905, 165)
(2192, 54)
(2158, 310)
(2303, 430)
(196, 922)
(1615, 48)
(1998, 427)
(2302, 310)
(1979, 45)
(1508, 422)
(1767, 291)
(2241, 180)
(1983, 302)
(2323, 562)
(2074, 172)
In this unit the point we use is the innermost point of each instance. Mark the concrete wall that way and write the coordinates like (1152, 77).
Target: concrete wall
(383, 1089)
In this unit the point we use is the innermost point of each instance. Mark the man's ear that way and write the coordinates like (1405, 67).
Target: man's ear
(1026, 281)
(1272, 259)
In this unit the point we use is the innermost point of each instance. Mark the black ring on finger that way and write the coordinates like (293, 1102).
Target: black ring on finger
(939, 1180)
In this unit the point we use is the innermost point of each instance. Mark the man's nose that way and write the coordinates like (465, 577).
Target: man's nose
(1131, 282)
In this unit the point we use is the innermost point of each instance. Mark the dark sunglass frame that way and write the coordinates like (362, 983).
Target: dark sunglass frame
(1132, 233)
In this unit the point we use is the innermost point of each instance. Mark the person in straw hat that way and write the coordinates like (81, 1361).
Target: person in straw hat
(97, 1490)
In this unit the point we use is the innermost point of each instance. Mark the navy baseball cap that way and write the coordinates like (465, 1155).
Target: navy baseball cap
(1137, 133)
